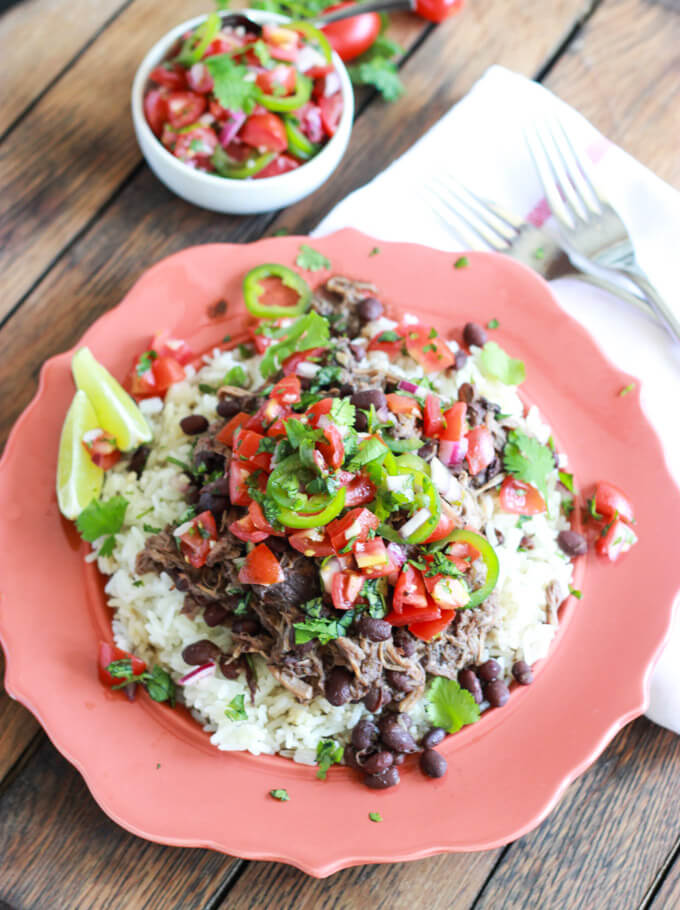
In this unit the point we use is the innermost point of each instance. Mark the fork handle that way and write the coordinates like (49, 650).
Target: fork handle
(659, 305)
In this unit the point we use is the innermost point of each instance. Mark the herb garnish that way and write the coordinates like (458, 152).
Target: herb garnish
(235, 709)
(374, 251)
(231, 89)
(281, 795)
(528, 460)
(144, 362)
(157, 681)
(567, 480)
(626, 389)
(492, 323)
(496, 364)
(375, 816)
(461, 263)
(311, 260)
(328, 753)
(449, 705)
(101, 518)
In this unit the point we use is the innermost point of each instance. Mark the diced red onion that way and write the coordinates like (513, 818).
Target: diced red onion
(331, 84)
(414, 389)
(452, 452)
(307, 370)
(415, 522)
(397, 554)
(308, 58)
(201, 672)
(231, 127)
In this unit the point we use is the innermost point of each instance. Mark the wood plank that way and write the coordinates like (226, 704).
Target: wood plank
(59, 850)
(66, 158)
(37, 39)
(146, 222)
(438, 883)
(605, 842)
(629, 50)
(17, 727)
(668, 895)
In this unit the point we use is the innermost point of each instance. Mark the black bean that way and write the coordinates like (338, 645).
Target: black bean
(209, 461)
(374, 629)
(213, 502)
(370, 308)
(181, 582)
(432, 763)
(466, 393)
(192, 496)
(350, 756)
(376, 698)
(497, 693)
(366, 397)
(378, 762)
(360, 422)
(228, 407)
(468, 680)
(427, 451)
(404, 641)
(394, 736)
(384, 780)
(572, 543)
(214, 615)
(200, 652)
(245, 625)
(473, 333)
(489, 671)
(493, 469)
(230, 668)
(337, 686)
(399, 758)
(433, 737)
(460, 358)
(365, 734)
(400, 681)
(138, 459)
(194, 424)
(522, 673)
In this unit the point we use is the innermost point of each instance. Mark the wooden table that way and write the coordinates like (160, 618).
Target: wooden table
(81, 217)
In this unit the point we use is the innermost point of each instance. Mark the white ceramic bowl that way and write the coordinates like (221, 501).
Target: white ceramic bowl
(236, 197)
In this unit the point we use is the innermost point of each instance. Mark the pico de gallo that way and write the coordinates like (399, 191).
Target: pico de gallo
(241, 105)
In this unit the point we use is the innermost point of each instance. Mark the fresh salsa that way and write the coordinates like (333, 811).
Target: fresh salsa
(241, 105)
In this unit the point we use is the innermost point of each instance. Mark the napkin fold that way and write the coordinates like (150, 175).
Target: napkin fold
(480, 140)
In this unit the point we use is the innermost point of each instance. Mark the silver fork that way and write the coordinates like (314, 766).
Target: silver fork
(587, 221)
(481, 224)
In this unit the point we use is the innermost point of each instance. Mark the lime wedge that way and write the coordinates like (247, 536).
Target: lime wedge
(116, 411)
(79, 480)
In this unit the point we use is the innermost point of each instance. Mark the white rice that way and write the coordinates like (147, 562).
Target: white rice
(148, 619)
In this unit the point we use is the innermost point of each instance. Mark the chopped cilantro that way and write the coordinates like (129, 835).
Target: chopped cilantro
(433, 334)
(388, 336)
(461, 263)
(449, 705)
(539, 253)
(496, 364)
(138, 583)
(230, 87)
(442, 565)
(267, 444)
(101, 518)
(281, 232)
(246, 351)
(150, 529)
(309, 331)
(236, 376)
(342, 412)
(144, 362)
(593, 511)
(374, 251)
(157, 681)
(567, 480)
(492, 323)
(381, 73)
(226, 339)
(180, 464)
(235, 709)
(368, 451)
(375, 816)
(372, 591)
(567, 507)
(324, 629)
(576, 593)
(262, 53)
(528, 460)
(281, 795)
(206, 389)
(311, 260)
(328, 753)
(626, 389)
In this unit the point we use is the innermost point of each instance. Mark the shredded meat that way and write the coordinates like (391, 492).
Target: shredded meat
(463, 643)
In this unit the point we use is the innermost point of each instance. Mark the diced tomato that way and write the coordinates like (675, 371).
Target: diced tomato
(245, 529)
(184, 108)
(281, 80)
(480, 451)
(317, 72)
(200, 142)
(155, 110)
(446, 591)
(391, 348)
(334, 450)
(287, 390)
(409, 590)
(141, 385)
(411, 614)
(312, 542)
(431, 353)
(610, 499)
(102, 449)
(222, 44)
(199, 78)
(261, 567)
(226, 434)
(107, 654)
(462, 554)
(445, 525)
(433, 419)
(358, 491)
(260, 522)
(616, 539)
(370, 553)
(238, 477)
(291, 363)
(177, 348)
(169, 75)
(353, 526)
(345, 589)
(195, 541)
(520, 498)
(261, 342)
(166, 372)
(283, 42)
(156, 379)
(331, 111)
(246, 446)
(280, 165)
(309, 116)
(264, 131)
(455, 422)
(426, 631)
(402, 404)
(318, 409)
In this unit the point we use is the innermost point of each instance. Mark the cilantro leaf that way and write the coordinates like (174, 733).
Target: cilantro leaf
(461, 263)
(311, 260)
(281, 795)
(388, 336)
(262, 53)
(450, 706)
(626, 389)
(159, 685)
(324, 629)
(102, 517)
(380, 73)
(328, 753)
(496, 364)
(528, 460)
(566, 480)
(492, 323)
(368, 451)
(342, 412)
(374, 596)
(374, 251)
(309, 331)
(235, 709)
(230, 87)
(375, 816)
(144, 362)
(236, 376)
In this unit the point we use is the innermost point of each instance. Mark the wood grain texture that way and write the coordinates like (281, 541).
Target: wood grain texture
(630, 49)
(31, 57)
(59, 851)
(17, 727)
(668, 895)
(604, 844)
(437, 883)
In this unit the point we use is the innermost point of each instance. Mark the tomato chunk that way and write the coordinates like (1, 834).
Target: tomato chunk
(616, 539)
(312, 542)
(260, 522)
(432, 353)
(331, 112)
(166, 371)
(433, 419)
(280, 81)
(370, 554)
(196, 537)
(480, 451)
(265, 131)
(520, 498)
(102, 449)
(247, 448)
(345, 589)
(610, 499)
(155, 110)
(352, 527)
(402, 404)
(359, 490)
(245, 529)
(409, 590)
(455, 422)
(426, 631)
(226, 434)
(334, 450)
(170, 75)
(411, 614)
(446, 591)
(107, 654)
(261, 567)
(287, 390)
(184, 108)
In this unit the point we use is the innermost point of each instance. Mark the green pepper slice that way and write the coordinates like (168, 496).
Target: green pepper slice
(292, 519)
(285, 487)
(313, 34)
(413, 463)
(283, 103)
(426, 497)
(197, 43)
(234, 170)
(488, 555)
(253, 290)
(298, 143)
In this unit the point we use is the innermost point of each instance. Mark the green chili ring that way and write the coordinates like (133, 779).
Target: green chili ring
(486, 552)
(284, 103)
(298, 143)
(279, 490)
(240, 171)
(292, 519)
(426, 497)
(314, 34)
(253, 290)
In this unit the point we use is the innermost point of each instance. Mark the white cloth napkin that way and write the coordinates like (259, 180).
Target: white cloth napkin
(481, 141)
